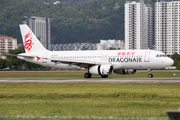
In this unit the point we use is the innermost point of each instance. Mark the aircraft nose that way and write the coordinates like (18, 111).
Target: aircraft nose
(170, 61)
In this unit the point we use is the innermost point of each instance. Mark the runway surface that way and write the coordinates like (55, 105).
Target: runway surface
(90, 80)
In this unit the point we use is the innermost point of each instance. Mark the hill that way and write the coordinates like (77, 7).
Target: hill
(52, 1)
(83, 21)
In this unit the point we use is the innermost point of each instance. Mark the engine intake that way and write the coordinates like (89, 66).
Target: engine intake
(101, 69)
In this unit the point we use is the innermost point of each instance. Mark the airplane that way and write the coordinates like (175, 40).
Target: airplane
(97, 62)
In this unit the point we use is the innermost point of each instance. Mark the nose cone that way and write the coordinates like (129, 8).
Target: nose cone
(170, 62)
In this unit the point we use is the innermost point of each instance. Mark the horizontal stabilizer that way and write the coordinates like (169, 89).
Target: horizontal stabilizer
(26, 55)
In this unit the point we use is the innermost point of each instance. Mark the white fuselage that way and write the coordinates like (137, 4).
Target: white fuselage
(120, 59)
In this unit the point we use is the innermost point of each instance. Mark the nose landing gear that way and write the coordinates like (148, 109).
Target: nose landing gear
(150, 74)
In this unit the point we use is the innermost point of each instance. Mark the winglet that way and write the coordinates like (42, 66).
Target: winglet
(30, 41)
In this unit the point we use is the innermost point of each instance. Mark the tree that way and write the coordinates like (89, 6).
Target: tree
(13, 61)
(176, 58)
(3, 63)
(178, 65)
(87, 21)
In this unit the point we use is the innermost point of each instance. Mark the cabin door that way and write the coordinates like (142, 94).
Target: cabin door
(44, 57)
(147, 56)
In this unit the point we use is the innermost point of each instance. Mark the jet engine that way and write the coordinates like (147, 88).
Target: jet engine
(101, 69)
(125, 71)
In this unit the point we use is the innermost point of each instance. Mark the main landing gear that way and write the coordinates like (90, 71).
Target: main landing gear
(88, 75)
(104, 76)
(150, 74)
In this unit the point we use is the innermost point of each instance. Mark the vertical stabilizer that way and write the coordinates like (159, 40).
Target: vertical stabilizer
(30, 41)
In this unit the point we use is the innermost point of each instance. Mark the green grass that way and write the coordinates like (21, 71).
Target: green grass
(89, 99)
(80, 74)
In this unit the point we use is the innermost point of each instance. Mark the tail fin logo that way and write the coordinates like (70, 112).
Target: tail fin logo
(28, 41)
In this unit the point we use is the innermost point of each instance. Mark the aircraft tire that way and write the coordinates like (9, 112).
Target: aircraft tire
(87, 75)
(104, 76)
(150, 75)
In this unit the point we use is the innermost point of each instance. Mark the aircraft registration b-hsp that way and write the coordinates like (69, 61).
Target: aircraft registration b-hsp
(97, 62)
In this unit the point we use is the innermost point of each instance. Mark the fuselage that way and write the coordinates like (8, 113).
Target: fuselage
(120, 59)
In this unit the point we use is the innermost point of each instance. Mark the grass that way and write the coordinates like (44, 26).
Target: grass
(80, 74)
(89, 99)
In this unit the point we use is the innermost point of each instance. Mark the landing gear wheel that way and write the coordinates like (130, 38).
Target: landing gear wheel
(87, 75)
(104, 76)
(150, 75)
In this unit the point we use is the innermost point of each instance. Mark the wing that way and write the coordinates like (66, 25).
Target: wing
(79, 63)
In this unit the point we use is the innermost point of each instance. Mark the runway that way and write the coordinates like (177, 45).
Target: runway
(90, 80)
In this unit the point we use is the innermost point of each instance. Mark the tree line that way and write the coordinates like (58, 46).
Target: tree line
(87, 21)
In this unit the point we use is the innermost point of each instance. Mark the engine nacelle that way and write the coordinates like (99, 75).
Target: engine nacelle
(125, 71)
(101, 69)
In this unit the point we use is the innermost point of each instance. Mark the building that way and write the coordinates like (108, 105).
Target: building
(7, 43)
(57, 2)
(106, 44)
(41, 28)
(167, 26)
(138, 25)
(103, 45)
(73, 47)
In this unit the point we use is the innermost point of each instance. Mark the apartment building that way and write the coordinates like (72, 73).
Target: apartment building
(73, 47)
(138, 25)
(7, 43)
(106, 44)
(167, 26)
(103, 45)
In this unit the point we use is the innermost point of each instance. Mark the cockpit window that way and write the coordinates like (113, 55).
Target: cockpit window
(160, 55)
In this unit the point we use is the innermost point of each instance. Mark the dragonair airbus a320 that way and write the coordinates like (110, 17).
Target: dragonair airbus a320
(98, 62)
